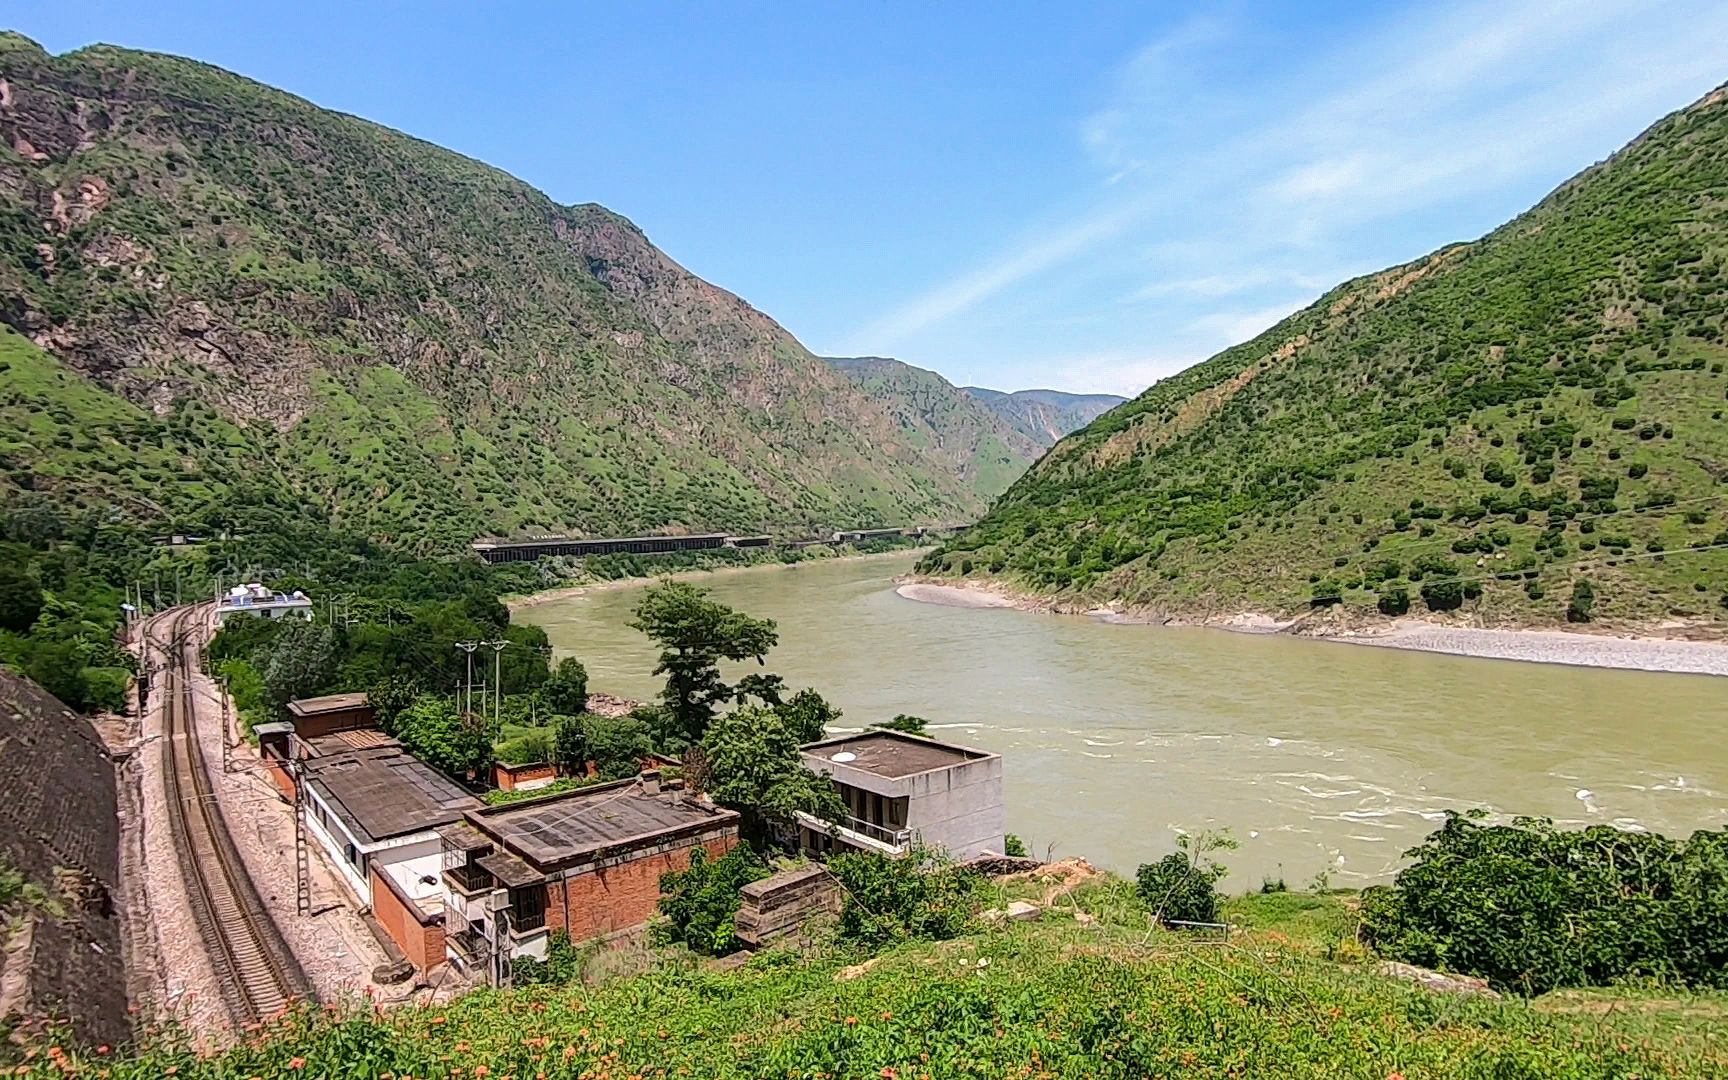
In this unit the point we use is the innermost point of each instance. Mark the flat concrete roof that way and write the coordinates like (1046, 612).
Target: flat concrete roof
(329, 703)
(574, 826)
(893, 754)
(387, 792)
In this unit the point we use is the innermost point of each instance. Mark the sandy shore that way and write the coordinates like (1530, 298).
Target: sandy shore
(516, 603)
(1638, 653)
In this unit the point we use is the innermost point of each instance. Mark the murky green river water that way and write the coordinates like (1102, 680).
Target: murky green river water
(1317, 756)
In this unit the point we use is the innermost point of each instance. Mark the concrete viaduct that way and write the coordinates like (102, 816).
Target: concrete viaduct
(527, 550)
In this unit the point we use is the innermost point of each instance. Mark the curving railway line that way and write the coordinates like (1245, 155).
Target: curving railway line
(258, 974)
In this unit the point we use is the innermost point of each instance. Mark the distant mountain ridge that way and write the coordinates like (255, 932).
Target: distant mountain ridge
(988, 451)
(220, 294)
(1045, 415)
(1527, 428)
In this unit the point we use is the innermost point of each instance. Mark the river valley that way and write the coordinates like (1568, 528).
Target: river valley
(1317, 756)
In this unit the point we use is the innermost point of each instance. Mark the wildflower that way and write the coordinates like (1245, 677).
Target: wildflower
(297, 1063)
(482, 1070)
(889, 1072)
(851, 1021)
(103, 1049)
(461, 1047)
(438, 1019)
(887, 1016)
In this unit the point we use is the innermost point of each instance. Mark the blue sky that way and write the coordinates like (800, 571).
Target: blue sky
(1085, 196)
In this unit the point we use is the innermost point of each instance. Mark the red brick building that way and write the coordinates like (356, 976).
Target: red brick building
(587, 862)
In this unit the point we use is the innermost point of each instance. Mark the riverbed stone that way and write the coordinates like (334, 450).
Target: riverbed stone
(1437, 982)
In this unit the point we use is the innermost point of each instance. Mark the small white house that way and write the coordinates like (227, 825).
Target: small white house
(901, 788)
(255, 599)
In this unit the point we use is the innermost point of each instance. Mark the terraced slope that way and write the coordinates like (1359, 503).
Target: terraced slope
(1529, 427)
(410, 341)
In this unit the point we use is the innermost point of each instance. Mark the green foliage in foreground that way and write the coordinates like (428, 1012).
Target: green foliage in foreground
(917, 895)
(1530, 907)
(1480, 428)
(1061, 1001)
(1183, 885)
(700, 902)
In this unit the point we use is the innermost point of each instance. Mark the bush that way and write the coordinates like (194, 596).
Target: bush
(918, 895)
(1530, 907)
(616, 745)
(566, 689)
(1183, 885)
(532, 747)
(1395, 601)
(1583, 600)
(1014, 846)
(701, 902)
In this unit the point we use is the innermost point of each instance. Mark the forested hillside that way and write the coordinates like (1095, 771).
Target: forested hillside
(228, 290)
(938, 418)
(1529, 426)
(1044, 416)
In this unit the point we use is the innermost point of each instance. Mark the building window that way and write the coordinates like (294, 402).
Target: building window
(352, 852)
(528, 908)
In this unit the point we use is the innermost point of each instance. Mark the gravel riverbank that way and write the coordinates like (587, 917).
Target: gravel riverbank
(1640, 653)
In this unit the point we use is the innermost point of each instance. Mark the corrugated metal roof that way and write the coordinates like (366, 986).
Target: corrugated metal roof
(388, 792)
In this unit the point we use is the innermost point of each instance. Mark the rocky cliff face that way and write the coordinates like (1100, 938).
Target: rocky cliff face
(414, 342)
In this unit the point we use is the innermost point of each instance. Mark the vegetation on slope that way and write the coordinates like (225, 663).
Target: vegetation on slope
(987, 450)
(1044, 416)
(1513, 423)
(1053, 999)
(239, 288)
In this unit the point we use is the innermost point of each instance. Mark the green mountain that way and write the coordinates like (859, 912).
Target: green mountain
(220, 292)
(1044, 416)
(983, 447)
(1503, 425)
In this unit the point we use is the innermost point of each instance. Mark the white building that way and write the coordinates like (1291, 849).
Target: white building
(255, 599)
(903, 788)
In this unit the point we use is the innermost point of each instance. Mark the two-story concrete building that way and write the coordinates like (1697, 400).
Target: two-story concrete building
(903, 788)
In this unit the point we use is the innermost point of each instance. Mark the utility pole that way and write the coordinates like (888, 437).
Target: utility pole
(468, 648)
(497, 681)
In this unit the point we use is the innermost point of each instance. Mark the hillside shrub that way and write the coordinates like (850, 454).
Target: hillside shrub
(1531, 907)
(1583, 599)
(1183, 885)
(920, 894)
(700, 902)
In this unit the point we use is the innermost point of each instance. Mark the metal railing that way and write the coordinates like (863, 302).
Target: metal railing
(896, 838)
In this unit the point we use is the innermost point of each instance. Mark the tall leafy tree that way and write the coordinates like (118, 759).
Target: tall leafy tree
(755, 769)
(809, 715)
(432, 730)
(695, 633)
(566, 689)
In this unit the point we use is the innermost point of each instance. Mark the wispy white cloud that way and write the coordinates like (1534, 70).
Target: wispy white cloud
(1234, 184)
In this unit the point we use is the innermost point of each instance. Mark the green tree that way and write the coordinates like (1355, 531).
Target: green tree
(809, 715)
(755, 769)
(569, 745)
(911, 725)
(1183, 885)
(432, 730)
(701, 902)
(919, 894)
(694, 634)
(1583, 602)
(566, 689)
(389, 696)
(616, 744)
(301, 660)
(20, 598)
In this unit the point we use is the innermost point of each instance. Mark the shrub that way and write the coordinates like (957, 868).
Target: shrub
(921, 894)
(1014, 846)
(1583, 600)
(616, 745)
(1183, 885)
(1395, 601)
(1530, 907)
(700, 902)
(566, 689)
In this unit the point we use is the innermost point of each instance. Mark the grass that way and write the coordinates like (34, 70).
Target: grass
(1055, 998)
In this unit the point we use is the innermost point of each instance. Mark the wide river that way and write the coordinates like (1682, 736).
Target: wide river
(1316, 756)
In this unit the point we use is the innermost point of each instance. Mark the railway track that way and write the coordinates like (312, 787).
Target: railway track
(258, 975)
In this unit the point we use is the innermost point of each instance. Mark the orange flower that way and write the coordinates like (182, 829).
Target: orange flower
(438, 1019)
(103, 1049)
(461, 1047)
(297, 1063)
(889, 1072)
(481, 1070)
(887, 1016)
(851, 1021)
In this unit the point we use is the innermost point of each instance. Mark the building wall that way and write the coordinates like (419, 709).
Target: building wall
(596, 901)
(419, 935)
(279, 775)
(513, 777)
(312, 727)
(960, 809)
(327, 829)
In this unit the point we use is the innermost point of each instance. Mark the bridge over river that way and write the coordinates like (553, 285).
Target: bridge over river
(535, 547)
